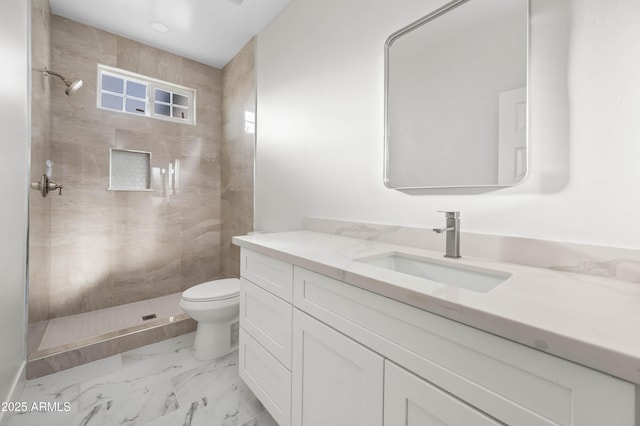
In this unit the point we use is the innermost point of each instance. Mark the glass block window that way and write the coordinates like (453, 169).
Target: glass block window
(124, 91)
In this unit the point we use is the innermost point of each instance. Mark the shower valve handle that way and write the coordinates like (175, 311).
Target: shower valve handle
(53, 186)
(45, 186)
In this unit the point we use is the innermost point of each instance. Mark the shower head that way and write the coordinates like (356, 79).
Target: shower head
(72, 86)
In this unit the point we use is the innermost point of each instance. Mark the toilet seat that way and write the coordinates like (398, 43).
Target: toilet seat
(213, 290)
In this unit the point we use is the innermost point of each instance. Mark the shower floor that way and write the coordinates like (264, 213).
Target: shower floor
(65, 342)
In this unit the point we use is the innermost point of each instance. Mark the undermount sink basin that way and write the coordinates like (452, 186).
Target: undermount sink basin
(463, 276)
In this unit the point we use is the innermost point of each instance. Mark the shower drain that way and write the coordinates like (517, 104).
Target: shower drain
(148, 317)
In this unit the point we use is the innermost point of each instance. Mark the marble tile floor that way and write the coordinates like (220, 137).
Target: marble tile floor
(156, 385)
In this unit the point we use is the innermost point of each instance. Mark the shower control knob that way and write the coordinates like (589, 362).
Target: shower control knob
(53, 186)
(45, 186)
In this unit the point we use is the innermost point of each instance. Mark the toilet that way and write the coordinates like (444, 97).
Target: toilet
(215, 306)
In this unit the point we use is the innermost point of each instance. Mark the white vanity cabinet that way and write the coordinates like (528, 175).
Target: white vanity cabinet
(358, 358)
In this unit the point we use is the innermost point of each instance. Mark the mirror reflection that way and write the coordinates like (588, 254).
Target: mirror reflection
(456, 97)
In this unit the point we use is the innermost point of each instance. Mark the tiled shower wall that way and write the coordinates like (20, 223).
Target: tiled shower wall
(39, 208)
(238, 108)
(108, 247)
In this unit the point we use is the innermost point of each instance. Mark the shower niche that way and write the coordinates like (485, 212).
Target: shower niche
(129, 170)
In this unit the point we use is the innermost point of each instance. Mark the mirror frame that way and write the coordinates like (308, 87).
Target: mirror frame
(412, 26)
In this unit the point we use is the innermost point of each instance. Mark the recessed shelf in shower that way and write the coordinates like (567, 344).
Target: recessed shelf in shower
(130, 170)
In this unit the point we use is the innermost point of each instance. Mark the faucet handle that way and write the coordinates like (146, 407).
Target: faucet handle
(450, 214)
(52, 186)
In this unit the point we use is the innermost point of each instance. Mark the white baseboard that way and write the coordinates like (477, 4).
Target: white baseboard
(16, 390)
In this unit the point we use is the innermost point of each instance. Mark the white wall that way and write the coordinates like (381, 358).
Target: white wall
(14, 139)
(320, 128)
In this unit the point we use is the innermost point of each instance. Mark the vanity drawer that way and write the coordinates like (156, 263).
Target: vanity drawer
(267, 319)
(266, 377)
(271, 274)
(509, 381)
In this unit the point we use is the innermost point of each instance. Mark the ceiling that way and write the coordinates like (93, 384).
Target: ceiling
(207, 31)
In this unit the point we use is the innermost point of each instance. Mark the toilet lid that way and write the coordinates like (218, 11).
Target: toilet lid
(213, 290)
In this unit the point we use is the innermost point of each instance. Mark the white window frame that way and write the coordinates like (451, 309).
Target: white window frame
(152, 84)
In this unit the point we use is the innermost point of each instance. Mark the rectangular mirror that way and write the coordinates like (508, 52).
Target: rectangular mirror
(456, 97)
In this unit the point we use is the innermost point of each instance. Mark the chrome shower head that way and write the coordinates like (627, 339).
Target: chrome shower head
(72, 86)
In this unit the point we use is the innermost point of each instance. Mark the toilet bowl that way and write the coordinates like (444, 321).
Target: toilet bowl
(215, 306)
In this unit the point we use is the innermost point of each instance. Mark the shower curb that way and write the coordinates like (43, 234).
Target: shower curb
(49, 361)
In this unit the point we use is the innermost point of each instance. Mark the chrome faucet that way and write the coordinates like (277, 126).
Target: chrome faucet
(452, 230)
(46, 185)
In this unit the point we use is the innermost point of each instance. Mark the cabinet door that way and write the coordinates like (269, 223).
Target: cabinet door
(335, 380)
(412, 401)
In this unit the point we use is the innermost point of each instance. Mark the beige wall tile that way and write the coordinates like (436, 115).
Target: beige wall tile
(239, 94)
(40, 208)
(150, 61)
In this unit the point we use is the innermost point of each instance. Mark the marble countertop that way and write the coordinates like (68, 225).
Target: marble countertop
(589, 320)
